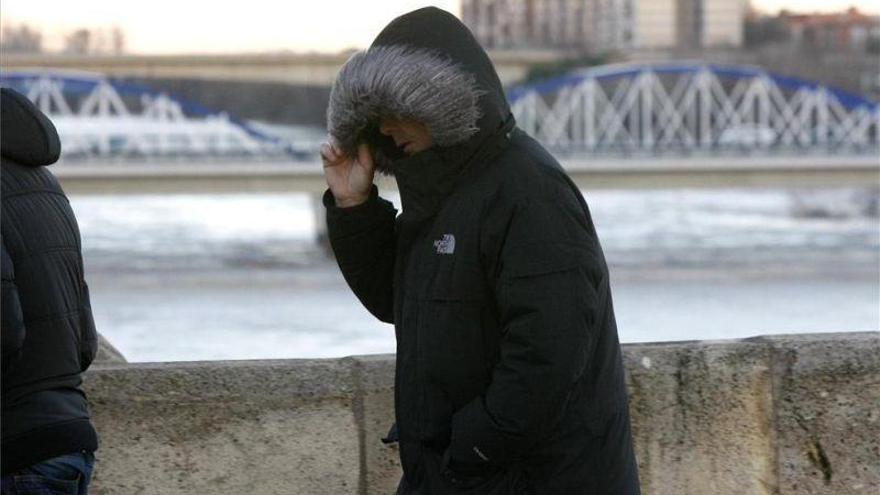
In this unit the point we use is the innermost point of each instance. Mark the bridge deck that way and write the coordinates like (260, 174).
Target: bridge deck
(591, 173)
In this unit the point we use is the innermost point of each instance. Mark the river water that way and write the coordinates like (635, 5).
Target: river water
(237, 276)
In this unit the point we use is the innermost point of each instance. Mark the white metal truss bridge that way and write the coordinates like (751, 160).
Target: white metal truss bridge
(693, 108)
(673, 109)
(98, 117)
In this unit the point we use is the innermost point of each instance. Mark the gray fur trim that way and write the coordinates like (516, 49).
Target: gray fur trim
(403, 82)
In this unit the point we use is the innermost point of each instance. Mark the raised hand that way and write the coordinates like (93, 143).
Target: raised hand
(349, 178)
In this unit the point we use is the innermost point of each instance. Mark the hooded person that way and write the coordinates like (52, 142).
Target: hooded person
(48, 334)
(509, 376)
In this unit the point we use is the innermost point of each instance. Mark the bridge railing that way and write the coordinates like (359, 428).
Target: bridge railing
(677, 109)
(693, 107)
(97, 117)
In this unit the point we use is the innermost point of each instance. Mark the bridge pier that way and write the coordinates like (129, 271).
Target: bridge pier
(321, 236)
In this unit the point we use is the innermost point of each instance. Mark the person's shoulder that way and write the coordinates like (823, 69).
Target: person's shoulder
(18, 180)
(526, 170)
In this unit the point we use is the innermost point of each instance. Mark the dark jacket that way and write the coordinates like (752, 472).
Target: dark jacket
(48, 335)
(509, 376)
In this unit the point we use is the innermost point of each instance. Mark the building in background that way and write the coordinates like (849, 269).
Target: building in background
(581, 25)
(656, 24)
(709, 23)
(605, 25)
(850, 30)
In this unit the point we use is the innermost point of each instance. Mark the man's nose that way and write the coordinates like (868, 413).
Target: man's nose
(386, 127)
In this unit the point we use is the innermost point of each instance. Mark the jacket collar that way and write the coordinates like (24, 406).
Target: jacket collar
(425, 180)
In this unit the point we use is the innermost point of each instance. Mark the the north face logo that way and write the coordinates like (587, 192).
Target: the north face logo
(446, 244)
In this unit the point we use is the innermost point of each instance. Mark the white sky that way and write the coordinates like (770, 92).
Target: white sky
(203, 26)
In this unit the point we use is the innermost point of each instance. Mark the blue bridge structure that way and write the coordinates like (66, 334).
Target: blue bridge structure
(671, 109)
(98, 116)
(687, 107)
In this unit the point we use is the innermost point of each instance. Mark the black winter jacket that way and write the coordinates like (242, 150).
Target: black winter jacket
(48, 335)
(509, 376)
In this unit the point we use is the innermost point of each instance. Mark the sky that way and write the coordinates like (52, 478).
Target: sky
(202, 26)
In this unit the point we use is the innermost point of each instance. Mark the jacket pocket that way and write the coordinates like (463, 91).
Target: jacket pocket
(451, 359)
(451, 333)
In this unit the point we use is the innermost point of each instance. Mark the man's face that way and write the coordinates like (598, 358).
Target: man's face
(408, 135)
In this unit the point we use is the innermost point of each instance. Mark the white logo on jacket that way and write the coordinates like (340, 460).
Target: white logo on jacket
(446, 244)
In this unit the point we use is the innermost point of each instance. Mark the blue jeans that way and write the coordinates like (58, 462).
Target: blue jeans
(63, 475)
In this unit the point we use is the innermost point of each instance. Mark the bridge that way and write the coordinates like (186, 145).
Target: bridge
(683, 124)
(289, 68)
(694, 106)
(588, 173)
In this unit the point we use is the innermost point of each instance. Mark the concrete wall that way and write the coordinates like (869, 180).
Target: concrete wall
(776, 415)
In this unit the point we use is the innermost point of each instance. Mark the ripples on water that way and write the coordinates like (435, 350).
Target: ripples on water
(637, 228)
(183, 277)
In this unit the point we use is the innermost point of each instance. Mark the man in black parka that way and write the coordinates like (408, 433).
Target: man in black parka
(49, 335)
(509, 376)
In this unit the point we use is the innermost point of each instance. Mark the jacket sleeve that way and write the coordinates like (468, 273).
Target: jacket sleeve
(13, 331)
(547, 303)
(88, 333)
(363, 240)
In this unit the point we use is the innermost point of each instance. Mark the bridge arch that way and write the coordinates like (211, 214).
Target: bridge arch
(99, 116)
(692, 107)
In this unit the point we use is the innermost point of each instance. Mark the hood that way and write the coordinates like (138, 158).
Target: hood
(426, 66)
(27, 136)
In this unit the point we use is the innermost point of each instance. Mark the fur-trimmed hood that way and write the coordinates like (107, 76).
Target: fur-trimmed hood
(403, 82)
(424, 66)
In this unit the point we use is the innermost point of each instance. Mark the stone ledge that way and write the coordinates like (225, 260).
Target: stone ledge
(789, 414)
